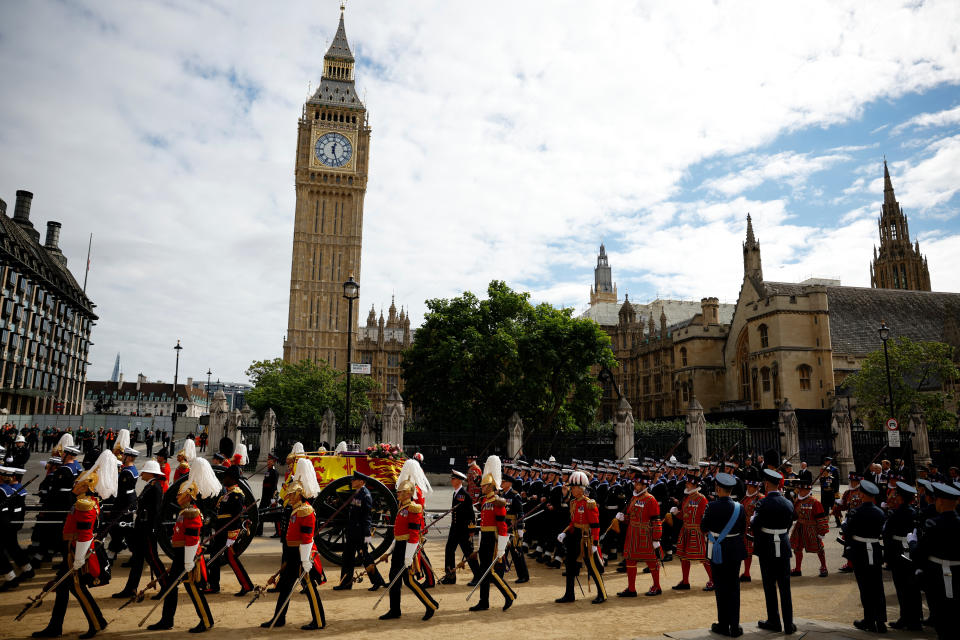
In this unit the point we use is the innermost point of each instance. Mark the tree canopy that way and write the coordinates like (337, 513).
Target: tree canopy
(474, 362)
(300, 392)
(918, 371)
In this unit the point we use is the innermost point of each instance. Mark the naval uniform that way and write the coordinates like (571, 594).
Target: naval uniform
(462, 521)
(359, 527)
(771, 524)
(515, 526)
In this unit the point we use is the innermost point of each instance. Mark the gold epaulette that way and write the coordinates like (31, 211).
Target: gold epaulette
(236, 489)
(500, 501)
(191, 511)
(591, 502)
(414, 508)
(303, 510)
(184, 464)
(85, 503)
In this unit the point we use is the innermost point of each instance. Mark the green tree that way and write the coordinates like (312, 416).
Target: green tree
(474, 362)
(917, 371)
(300, 392)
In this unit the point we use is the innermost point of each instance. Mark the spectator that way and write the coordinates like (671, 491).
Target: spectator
(148, 440)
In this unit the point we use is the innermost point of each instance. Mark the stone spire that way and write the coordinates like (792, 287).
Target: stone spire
(898, 264)
(340, 48)
(372, 317)
(752, 267)
(603, 288)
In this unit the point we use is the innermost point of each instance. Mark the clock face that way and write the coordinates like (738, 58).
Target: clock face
(333, 149)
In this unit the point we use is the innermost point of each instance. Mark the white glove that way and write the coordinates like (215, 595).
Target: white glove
(620, 516)
(656, 544)
(593, 549)
(502, 545)
(912, 537)
(674, 510)
(409, 554)
(80, 554)
(883, 505)
(520, 533)
(230, 542)
(368, 540)
(560, 537)
(305, 550)
(190, 557)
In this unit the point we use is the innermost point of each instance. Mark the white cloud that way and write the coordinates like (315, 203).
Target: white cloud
(506, 139)
(925, 120)
(787, 166)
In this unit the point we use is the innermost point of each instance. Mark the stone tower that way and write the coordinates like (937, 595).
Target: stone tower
(603, 289)
(898, 264)
(330, 175)
(752, 267)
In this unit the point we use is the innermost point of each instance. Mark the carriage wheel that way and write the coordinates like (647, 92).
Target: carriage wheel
(208, 507)
(331, 539)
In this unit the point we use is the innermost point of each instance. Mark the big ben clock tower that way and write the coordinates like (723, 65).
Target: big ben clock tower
(333, 147)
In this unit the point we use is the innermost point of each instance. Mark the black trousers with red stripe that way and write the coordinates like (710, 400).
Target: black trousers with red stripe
(144, 549)
(75, 585)
(230, 558)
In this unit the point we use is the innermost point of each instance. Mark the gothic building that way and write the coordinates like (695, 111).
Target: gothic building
(898, 264)
(381, 344)
(603, 290)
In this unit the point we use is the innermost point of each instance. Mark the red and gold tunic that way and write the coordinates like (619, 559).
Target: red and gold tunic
(409, 522)
(811, 524)
(473, 482)
(186, 530)
(182, 469)
(692, 543)
(585, 516)
(893, 499)
(493, 515)
(749, 504)
(643, 527)
(851, 499)
(419, 498)
(303, 525)
(165, 480)
(224, 463)
(80, 526)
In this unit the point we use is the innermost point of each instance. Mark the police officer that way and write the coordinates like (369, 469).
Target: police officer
(901, 523)
(938, 556)
(771, 524)
(462, 526)
(861, 534)
(358, 534)
(724, 523)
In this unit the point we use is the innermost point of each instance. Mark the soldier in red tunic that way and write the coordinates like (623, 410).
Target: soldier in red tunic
(164, 469)
(810, 528)
(299, 562)
(473, 478)
(692, 543)
(749, 503)
(406, 539)
(851, 499)
(581, 537)
(642, 543)
(98, 483)
(412, 471)
(494, 536)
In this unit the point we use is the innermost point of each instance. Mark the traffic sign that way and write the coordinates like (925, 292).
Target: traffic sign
(892, 424)
(359, 368)
(893, 439)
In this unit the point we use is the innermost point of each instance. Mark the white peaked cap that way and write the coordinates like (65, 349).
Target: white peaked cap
(306, 475)
(413, 472)
(202, 475)
(492, 467)
(108, 476)
(190, 450)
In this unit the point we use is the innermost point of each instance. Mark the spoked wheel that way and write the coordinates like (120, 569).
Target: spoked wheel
(169, 510)
(331, 539)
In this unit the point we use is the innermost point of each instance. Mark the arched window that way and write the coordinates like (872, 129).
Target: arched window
(685, 387)
(765, 379)
(805, 372)
(764, 338)
(743, 368)
(775, 374)
(683, 356)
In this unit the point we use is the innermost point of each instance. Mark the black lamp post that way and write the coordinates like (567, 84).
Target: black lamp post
(209, 373)
(884, 332)
(176, 372)
(351, 291)
(139, 393)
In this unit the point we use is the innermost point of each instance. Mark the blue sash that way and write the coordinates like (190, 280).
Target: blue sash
(717, 556)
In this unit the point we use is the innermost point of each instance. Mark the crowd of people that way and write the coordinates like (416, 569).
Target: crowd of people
(37, 439)
(629, 517)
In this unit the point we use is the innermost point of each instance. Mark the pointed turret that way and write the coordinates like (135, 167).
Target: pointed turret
(752, 267)
(336, 86)
(898, 264)
(340, 48)
(888, 196)
(372, 317)
(603, 288)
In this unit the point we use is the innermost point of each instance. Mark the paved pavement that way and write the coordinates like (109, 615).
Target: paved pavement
(806, 629)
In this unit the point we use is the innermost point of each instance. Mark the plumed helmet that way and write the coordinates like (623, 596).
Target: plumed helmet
(202, 475)
(122, 442)
(406, 485)
(242, 452)
(306, 477)
(296, 452)
(102, 478)
(492, 472)
(66, 440)
(341, 447)
(189, 450)
(418, 457)
(578, 479)
(412, 471)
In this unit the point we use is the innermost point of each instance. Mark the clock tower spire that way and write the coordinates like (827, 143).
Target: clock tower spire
(330, 176)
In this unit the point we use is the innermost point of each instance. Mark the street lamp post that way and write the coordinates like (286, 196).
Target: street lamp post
(176, 372)
(884, 332)
(139, 393)
(351, 291)
(209, 373)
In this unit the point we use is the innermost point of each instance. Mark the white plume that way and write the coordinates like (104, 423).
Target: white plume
(306, 475)
(413, 472)
(493, 467)
(202, 475)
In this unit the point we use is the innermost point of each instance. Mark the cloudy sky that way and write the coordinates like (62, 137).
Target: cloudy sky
(509, 140)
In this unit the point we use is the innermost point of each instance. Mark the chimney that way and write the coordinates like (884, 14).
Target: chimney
(710, 308)
(189, 382)
(3, 207)
(53, 235)
(21, 212)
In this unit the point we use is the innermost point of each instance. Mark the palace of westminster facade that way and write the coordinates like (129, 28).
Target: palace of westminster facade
(793, 341)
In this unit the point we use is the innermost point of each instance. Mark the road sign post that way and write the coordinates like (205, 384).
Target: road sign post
(893, 433)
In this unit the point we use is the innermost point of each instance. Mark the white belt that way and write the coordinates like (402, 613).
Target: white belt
(131, 490)
(947, 573)
(776, 533)
(869, 542)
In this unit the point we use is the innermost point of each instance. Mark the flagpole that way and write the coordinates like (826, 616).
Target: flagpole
(87, 272)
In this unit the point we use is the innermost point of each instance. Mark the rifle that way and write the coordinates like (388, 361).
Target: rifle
(29, 482)
(36, 601)
(723, 458)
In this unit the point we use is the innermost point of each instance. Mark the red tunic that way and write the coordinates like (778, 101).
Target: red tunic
(851, 499)
(183, 469)
(692, 543)
(186, 530)
(165, 480)
(473, 482)
(585, 516)
(79, 527)
(811, 524)
(409, 522)
(303, 525)
(749, 506)
(493, 515)
(419, 498)
(643, 528)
